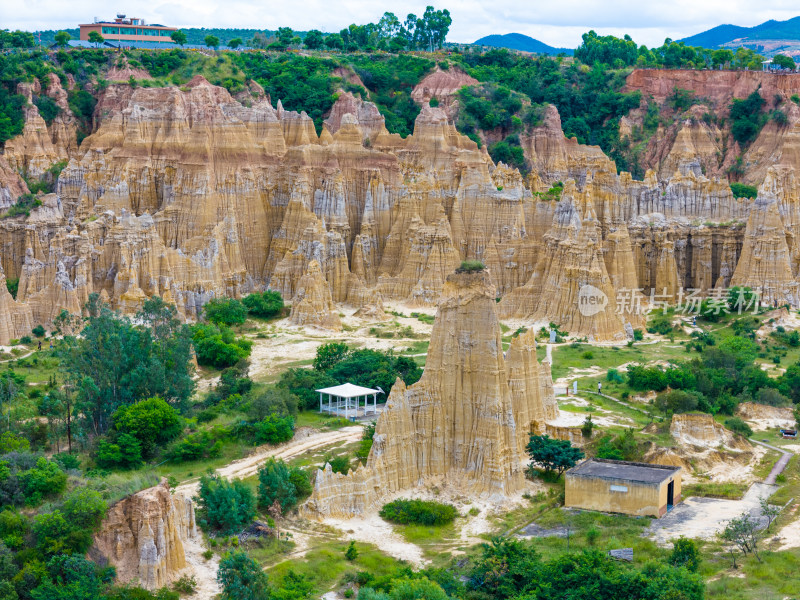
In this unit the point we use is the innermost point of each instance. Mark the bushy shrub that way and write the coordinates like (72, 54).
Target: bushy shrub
(741, 190)
(45, 479)
(125, 452)
(263, 304)
(620, 447)
(303, 382)
(677, 401)
(196, 446)
(340, 464)
(739, 427)
(38, 331)
(242, 578)
(418, 512)
(278, 481)
(274, 429)
(272, 400)
(772, 397)
(225, 506)
(470, 266)
(225, 311)
(641, 377)
(218, 347)
(152, 422)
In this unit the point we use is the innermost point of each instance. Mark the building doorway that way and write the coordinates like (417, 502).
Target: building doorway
(670, 495)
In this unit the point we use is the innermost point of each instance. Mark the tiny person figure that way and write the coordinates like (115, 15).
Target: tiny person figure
(599, 387)
(40, 345)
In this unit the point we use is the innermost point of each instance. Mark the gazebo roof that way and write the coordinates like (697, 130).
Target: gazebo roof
(348, 390)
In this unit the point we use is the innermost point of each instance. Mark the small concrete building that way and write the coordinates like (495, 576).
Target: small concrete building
(623, 487)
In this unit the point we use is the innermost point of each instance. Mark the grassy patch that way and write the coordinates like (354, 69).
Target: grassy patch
(325, 565)
(731, 491)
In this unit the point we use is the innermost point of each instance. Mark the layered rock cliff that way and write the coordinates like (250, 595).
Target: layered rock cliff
(466, 421)
(190, 194)
(143, 536)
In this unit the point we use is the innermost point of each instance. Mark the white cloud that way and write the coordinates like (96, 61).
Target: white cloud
(557, 23)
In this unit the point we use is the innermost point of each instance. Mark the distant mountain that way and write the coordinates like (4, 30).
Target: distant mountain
(723, 35)
(518, 41)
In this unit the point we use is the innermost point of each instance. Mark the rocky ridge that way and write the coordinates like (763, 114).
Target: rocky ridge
(189, 194)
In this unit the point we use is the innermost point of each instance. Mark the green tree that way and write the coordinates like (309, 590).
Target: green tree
(285, 36)
(125, 452)
(746, 118)
(178, 37)
(553, 455)
(218, 346)
(721, 57)
(685, 553)
(351, 553)
(225, 507)
(235, 43)
(783, 61)
(242, 578)
(314, 39)
(264, 304)
(211, 41)
(51, 532)
(115, 362)
(274, 483)
(45, 479)
(303, 382)
(7, 566)
(225, 311)
(334, 41)
(96, 39)
(274, 429)
(69, 578)
(329, 355)
(62, 37)
(273, 401)
(152, 422)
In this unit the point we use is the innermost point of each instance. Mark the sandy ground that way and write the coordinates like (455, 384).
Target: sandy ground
(374, 530)
(204, 571)
(287, 343)
(790, 534)
(702, 518)
(600, 417)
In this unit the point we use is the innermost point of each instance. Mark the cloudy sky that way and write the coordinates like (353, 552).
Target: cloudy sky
(558, 23)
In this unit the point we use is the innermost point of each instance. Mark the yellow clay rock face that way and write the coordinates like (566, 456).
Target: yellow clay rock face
(313, 305)
(143, 536)
(465, 422)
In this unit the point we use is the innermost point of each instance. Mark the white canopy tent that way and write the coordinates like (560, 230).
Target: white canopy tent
(348, 396)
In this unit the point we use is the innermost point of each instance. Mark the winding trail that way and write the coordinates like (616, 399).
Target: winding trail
(780, 465)
(205, 571)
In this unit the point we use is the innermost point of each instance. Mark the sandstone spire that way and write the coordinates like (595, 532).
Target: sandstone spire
(313, 305)
(464, 423)
(142, 536)
(765, 262)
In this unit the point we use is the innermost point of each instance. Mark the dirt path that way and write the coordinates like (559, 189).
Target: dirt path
(245, 467)
(205, 571)
(779, 466)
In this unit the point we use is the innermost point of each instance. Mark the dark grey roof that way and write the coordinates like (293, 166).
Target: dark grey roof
(620, 469)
